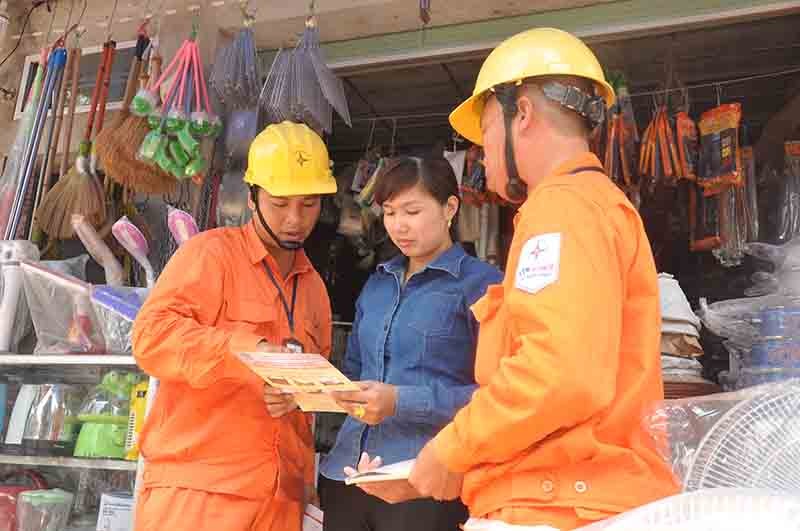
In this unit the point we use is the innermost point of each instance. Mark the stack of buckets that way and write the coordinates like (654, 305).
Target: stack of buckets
(775, 355)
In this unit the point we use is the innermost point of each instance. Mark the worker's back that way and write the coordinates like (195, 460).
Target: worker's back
(584, 341)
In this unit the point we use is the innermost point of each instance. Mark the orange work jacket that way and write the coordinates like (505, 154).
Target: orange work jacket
(209, 428)
(567, 359)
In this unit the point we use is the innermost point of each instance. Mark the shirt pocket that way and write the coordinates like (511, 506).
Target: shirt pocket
(253, 316)
(433, 313)
(493, 344)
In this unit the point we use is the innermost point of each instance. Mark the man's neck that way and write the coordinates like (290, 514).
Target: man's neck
(537, 170)
(283, 257)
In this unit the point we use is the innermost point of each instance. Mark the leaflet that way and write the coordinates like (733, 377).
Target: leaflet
(309, 377)
(393, 472)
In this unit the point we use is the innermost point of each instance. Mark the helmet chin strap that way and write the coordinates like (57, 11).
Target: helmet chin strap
(287, 246)
(506, 95)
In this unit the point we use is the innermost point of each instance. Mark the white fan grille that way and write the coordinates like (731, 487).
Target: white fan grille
(756, 444)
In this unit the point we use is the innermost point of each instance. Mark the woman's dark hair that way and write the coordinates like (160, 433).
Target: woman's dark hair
(436, 176)
(400, 174)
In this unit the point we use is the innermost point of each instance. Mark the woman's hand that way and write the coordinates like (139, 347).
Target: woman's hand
(279, 403)
(371, 405)
(389, 491)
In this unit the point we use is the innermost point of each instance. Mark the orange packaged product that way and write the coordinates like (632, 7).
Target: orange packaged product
(720, 156)
(687, 145)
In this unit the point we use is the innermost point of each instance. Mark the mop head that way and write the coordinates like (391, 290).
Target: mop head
(118, 156)
(78, 192)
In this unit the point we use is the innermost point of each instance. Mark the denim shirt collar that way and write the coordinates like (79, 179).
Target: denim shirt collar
(449, 262)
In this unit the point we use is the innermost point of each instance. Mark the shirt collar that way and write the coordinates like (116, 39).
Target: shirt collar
(258, 252)
(583, 160)
(449, 262)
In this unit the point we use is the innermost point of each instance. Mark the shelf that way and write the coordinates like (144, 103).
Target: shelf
(69, 462)
(26, 360)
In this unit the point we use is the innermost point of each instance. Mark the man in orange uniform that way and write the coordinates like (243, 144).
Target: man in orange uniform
(568, 352)
(217, 456)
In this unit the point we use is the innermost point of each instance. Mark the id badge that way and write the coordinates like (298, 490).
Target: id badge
(293, 345)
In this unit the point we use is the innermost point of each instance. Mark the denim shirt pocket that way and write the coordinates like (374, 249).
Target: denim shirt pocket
(434, 321)
(433, 313)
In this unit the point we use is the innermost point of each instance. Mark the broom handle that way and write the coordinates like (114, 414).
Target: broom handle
(95, 95)
(101, 108)
(155, 69)
(184, 75)
(75, 61)
(133, 79)
(169, 68)
(202, 79)
(59, 120)
(198, 69)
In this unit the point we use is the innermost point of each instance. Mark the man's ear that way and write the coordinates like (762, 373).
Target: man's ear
(251, 196)
(525, 112)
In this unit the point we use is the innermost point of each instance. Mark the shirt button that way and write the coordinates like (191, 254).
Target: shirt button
(581, 487)
(547, 486)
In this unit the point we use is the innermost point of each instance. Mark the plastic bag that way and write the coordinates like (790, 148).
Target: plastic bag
(62, 312)
(785, 277)
(709, 510)
(98, 249)
(116, 309)
(44, 510)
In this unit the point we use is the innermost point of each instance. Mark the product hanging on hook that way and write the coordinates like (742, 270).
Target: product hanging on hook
(301, 87)
(80, 191)
(183, 120)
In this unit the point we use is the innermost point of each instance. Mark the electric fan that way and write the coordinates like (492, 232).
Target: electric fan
(756, 444)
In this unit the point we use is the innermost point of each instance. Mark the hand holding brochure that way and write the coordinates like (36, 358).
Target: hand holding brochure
(309, 377)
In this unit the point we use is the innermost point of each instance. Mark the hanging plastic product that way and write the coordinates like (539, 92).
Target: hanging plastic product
(473, 185)
(704, 222)
(750, 194)
(688, 145)
(731, 251)
(720, 156)
(173, 144)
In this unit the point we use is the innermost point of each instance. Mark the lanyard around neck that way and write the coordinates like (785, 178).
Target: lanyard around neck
(288, 309)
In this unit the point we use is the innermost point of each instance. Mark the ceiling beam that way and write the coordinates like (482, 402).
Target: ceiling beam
(389, 126)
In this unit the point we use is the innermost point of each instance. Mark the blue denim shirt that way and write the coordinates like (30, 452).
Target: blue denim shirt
(420, 337)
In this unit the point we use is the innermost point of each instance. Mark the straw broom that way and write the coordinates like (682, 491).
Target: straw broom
(106, 143)
(79, 192)
(122, 163)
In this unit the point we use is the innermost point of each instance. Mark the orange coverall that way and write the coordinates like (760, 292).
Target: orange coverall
(553, 435)
(215, 458)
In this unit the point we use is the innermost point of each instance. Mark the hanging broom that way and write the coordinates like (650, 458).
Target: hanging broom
(122, 161)
(107, 143)
(79, 192)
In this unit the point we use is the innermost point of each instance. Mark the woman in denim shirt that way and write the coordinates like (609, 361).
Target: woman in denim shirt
(412, 349)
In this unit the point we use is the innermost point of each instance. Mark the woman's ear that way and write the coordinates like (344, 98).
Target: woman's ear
(451, 207)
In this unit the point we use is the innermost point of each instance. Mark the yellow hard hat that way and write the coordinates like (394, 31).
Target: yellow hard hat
(290, 159)
(533, 53)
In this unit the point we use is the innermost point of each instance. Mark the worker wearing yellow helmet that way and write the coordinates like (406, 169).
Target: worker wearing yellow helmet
(223, 450)
(568, 349)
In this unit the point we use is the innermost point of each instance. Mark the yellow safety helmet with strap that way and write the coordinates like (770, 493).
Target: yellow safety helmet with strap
(288, 159)
(534, 53)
